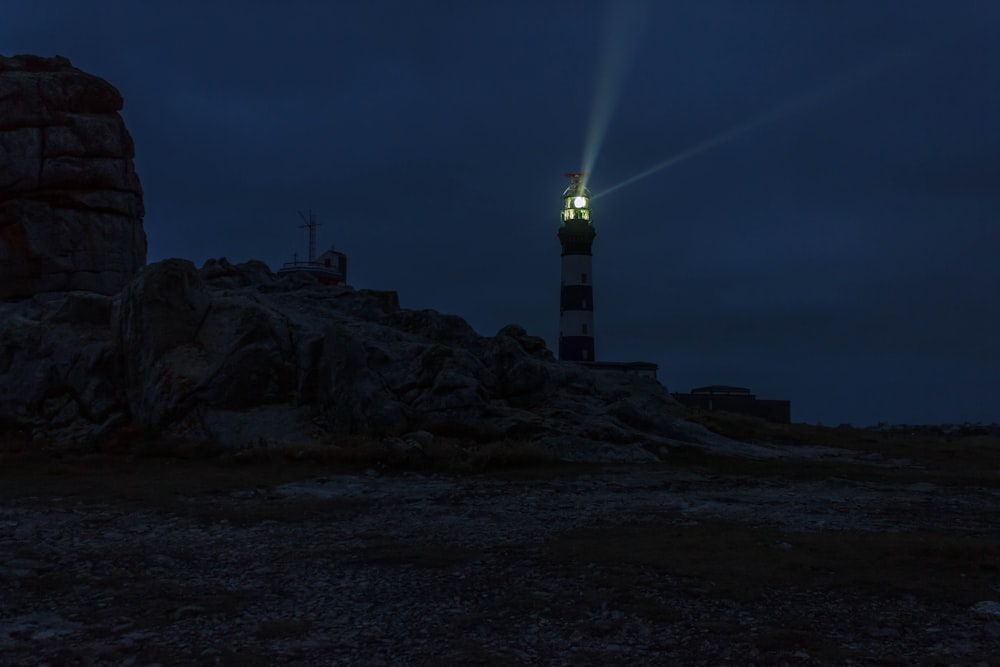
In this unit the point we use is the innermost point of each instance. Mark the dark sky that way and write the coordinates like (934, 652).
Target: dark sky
(844, 256)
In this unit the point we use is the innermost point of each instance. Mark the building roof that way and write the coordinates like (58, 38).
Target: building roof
(622, 365)
(720, 389)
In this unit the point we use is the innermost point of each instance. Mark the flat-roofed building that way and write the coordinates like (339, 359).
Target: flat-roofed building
(740, 400)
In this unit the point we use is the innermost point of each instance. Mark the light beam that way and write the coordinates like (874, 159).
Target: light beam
(789, 107)
(624, 25)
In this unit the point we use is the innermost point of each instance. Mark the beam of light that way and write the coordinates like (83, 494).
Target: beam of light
(787, 108)
(623, 26)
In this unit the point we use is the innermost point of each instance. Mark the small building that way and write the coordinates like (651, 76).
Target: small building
(330, 268)
(736, 399)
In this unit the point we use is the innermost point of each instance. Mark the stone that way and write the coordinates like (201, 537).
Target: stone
(221, 273)
(59, 371)
(231, 356)
(512, 331)
(987, 608)
(155, 325)
(84, 308)
(354, 398)
(419, 437)
(71, 204)
(533, 345)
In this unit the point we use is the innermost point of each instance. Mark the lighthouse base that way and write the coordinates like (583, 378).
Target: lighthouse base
(576, 348)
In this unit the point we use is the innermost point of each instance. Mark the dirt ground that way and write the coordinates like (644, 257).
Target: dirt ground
(887, 556)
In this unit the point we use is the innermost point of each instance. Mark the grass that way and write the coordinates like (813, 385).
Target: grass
(282, 628)
(742, 562)
(963, 458)
(966, 455)
(651, 570)
(439, 455)
(146, 467)
(132, 466)
(425, 555)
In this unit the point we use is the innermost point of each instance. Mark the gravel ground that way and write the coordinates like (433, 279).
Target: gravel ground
(413, 569)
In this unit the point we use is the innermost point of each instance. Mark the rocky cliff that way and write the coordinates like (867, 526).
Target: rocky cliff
(70, 201)
(235, 356)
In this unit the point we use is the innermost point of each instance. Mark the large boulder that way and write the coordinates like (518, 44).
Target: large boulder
(70, 201)
(59, 368)
(155, 326)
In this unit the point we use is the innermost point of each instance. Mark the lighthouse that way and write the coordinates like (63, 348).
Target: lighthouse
(576, 299)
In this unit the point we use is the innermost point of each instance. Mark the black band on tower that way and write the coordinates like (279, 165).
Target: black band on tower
(576, 297)
(576, 238)
(576, 348)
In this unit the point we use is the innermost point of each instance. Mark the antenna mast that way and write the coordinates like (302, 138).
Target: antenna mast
(311, 225)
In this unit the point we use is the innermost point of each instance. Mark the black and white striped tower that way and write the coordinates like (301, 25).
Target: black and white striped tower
(576, 301)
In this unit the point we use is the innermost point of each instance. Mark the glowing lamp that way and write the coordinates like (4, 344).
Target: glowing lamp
(576, 201)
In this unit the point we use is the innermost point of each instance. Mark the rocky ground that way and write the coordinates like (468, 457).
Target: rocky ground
(711, 560)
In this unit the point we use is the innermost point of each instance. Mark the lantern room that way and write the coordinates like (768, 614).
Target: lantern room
(576, 199)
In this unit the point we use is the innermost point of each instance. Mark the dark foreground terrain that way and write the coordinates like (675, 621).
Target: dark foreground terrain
(887, 554)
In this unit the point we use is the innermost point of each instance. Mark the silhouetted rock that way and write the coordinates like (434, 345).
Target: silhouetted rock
(60, 375)
(70, 201)
(232, 355)
(221, 273)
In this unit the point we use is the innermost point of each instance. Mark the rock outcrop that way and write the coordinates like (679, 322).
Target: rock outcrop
(70, 201)
(233, 355)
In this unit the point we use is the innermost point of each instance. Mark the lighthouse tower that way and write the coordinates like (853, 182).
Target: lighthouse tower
(576, 301)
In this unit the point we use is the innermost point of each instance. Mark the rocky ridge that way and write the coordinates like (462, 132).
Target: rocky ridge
(71, 204)
(234, 356)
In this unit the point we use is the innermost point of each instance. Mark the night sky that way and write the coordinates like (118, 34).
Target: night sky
(843, 255)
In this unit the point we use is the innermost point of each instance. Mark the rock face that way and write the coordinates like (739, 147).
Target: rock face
(70, 201)
(232, 355)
